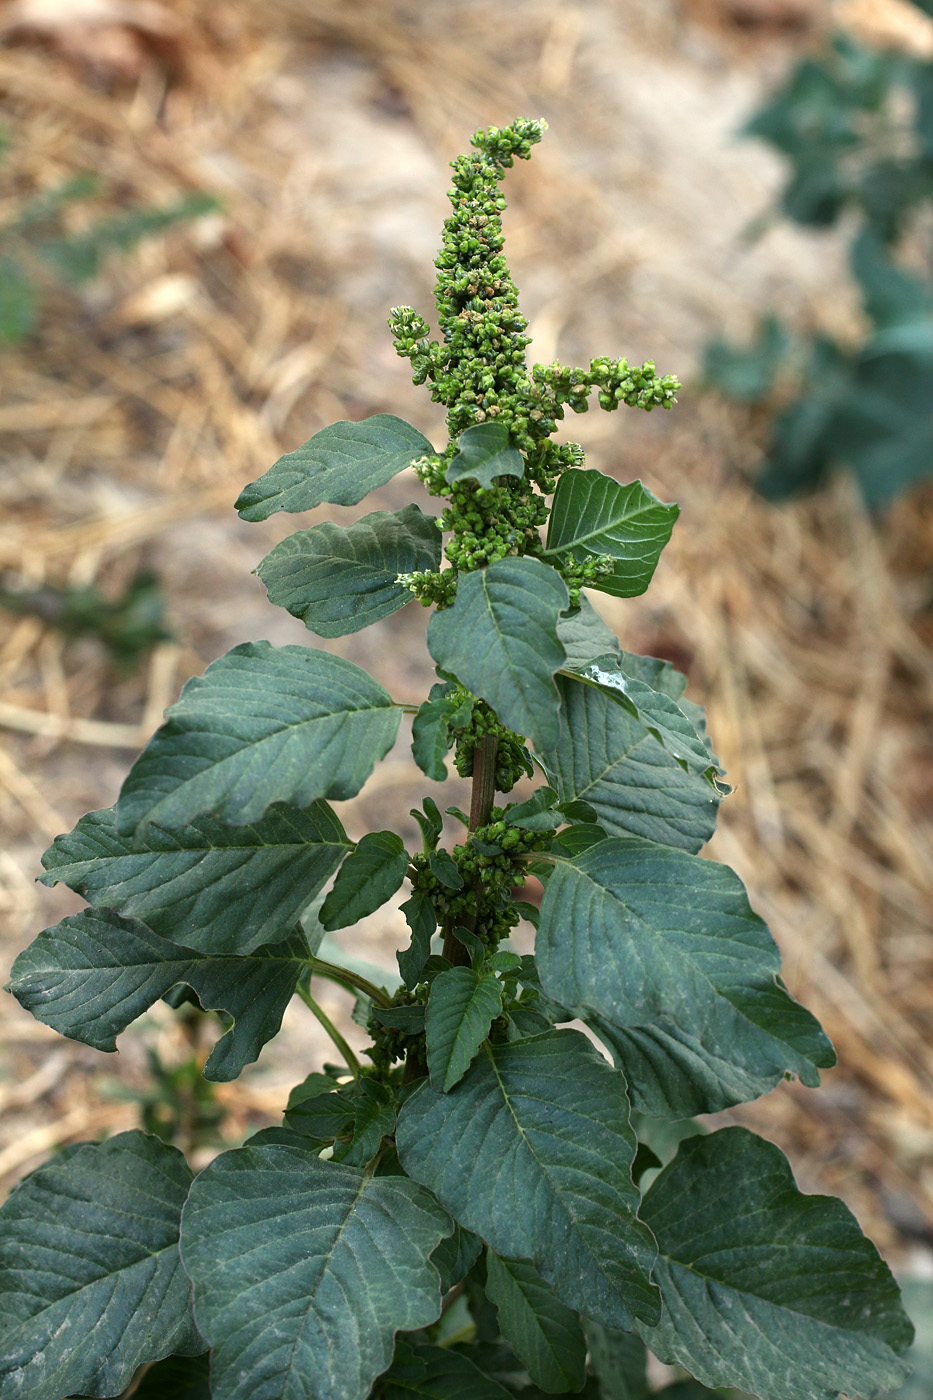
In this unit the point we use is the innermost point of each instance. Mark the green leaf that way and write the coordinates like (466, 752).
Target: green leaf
(437, 1373)
(593, 515)
(263, 724)
(545, 1336)
(543, 1124)
(657, 711)
(219, 889)
(484, 453)
(634, 785)
(338, 466)
(536, 813)
(620, 1361)
(373, 1119)
(177, 1378)
(304, 1271)
(682, 974)
(368, 877)
(338, 578)
(95, 972)
(764, 1288)
(462, 1006)
(445, 868)
(90, 1279)
(430, 731)
(18, 302)
(585, 636)
(455, 1257)
(499, 638)
(422, 920)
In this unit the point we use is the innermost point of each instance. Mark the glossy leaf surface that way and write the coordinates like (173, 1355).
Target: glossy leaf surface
(593, 515)
(341, 464)
(500, 640)
(215, 888)
(665, 948)
(764, 1288)
(340, 578)
(263, 724)
(304, 1270)
(543, 1124)
(90, 1279)
(91, 975)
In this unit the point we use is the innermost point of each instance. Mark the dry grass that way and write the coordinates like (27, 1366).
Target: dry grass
(135, 415)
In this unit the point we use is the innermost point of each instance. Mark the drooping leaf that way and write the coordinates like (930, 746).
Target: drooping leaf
(657, 711)
(544, 1334)
(304, 1270)
(437, 1373)
(91, 1285)
(339, 579)
(682, 975)
(263, 724)
(499, 639)
(593, 515)
(483, 453)
(368, 877)
(430, 730)
(219, 889)
(619, 1360)
(543, 1123)
(339, 466)
(634, 785)
(91, 975)
(462, 1006)
(764, 1288)
(422, 920)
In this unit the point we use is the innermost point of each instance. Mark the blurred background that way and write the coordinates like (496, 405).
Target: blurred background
(207, 208)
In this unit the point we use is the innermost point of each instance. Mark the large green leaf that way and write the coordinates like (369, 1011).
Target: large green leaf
(436, 1373)
(764, 1288)
(484, 453)
(635, 786)
(340, 578)
(682, 974)
(545, 1336)
(91, 1285)
(620, 1361)
(592, 515)
(585, 636)
(304, 1271)
(220, 889)
(263, 724)
(339, 466)
(657, 711)
(462, 1006)
(500, 640)
(367, 878)
(95, 972)
(543, 1125)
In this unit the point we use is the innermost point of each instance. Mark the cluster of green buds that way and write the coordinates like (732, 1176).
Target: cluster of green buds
(513, 761)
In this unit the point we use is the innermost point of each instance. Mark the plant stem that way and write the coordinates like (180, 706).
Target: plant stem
(353, 1063)
(481, 804)
(351, 981)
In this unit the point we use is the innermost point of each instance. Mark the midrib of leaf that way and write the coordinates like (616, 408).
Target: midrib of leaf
(596, 532)
(661, 935)
(515, 671)
(559, 1195)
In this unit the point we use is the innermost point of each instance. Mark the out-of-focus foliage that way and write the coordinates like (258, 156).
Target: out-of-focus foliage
(37, 245)
(857, 129)
(128, 626)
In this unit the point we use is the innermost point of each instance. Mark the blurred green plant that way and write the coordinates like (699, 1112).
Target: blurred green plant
(35, 246)
(129, 626)
(857, 129)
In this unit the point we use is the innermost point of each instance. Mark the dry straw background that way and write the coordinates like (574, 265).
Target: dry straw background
(131, 420)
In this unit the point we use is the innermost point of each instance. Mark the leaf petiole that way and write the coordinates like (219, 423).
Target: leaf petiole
(353, 1063)
(352, 981)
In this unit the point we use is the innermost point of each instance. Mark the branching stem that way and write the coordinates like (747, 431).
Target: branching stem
(350, 981)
